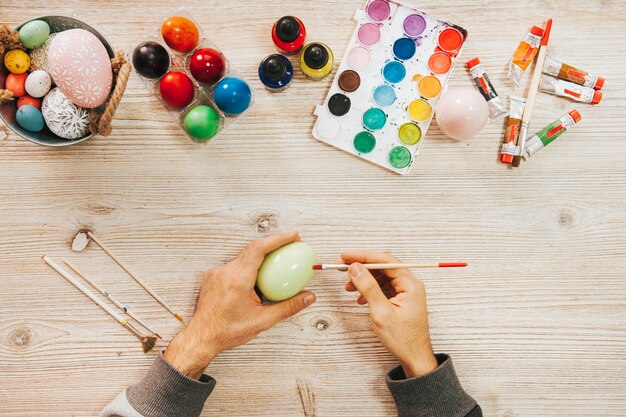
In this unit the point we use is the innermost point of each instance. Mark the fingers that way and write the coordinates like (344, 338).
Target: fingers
(252, 256)
(367, 286)
(401, 279)
(275, 313)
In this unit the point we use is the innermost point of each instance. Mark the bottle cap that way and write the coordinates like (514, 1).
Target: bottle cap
(506, 158)
(536, 30)
(315, 55)
(599, 84)
(597, 96)
(472, 63)
(575, 115)
(287, 29)
(274, 68)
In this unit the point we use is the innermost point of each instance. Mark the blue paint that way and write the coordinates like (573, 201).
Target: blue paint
(394, 72)
(404, 48)
(106, 294)
(275, 72)
(125, 309)
(384, 95)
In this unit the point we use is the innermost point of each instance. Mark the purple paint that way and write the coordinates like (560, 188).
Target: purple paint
(369, 34)
(378, 10)
(414, 25)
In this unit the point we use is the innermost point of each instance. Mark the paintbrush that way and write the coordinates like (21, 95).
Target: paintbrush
(133, 276)
(110, 297)
(532, 93)
(344, 267)
(147, 342)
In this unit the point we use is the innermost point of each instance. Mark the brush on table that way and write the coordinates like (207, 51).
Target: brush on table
(113, 300)
(344, 267)
(133, 276)
(147, 342)
(532, 93)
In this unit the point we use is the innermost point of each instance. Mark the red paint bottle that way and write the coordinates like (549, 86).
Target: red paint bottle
(288, 34)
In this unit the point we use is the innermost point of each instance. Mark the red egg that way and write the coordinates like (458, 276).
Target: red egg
(207, 65)
(180, 33)
(16, 83)
(177, 89)
(27, 100)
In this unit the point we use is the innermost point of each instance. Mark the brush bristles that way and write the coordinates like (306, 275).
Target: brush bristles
(148, 343)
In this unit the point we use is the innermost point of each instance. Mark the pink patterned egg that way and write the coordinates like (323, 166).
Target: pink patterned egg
(80, 67)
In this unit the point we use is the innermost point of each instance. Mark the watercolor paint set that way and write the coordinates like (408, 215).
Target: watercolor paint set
(383, 98)
(192, 78)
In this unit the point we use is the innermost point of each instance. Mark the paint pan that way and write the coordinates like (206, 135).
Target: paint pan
(381, 102)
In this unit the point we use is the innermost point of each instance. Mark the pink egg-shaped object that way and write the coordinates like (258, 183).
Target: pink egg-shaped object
(80, 67)
(461, 113)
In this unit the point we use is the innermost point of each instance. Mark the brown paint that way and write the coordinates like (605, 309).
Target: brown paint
(349, 81)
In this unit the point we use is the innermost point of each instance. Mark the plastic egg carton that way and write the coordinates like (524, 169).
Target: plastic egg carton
(204, 93)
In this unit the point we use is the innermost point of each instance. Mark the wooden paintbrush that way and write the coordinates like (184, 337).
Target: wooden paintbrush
(133, 276)
(532, 93)
(113, 300)
(344, 267)
(147, 342)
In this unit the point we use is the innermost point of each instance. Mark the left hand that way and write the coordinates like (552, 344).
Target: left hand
(228, 312)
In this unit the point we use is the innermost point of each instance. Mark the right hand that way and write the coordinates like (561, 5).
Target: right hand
(400, 322)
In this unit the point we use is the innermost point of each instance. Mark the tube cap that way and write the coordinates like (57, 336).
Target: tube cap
(599, 84)
(315, 55)
(597, 96)
(575, 115)
(472, 63)
(506, 158)
(287, 28)
(536, 30)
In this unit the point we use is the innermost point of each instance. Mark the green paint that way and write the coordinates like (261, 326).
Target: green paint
(364, 142)
(374, 119)
(409, 133)
(552, 131)
(399, 157)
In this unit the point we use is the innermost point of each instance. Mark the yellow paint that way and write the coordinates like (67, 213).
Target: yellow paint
(317, 74)
(429, 86)
(419, 110)
(124, 322)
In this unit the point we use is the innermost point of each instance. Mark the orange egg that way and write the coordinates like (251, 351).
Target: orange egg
(180, 33)
(27, 100)
(16, 83)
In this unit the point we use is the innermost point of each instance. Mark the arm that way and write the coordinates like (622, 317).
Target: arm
(228, 313)
(424, 384)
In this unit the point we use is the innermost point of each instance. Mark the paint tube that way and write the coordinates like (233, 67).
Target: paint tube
(513, 124)
(550, 133)
(566, 89)
(524, 54)
(568, 73)
(496, 108)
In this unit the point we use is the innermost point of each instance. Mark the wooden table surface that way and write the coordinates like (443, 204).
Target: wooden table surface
(536, 325)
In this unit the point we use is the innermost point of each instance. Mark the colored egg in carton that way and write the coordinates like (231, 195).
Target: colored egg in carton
(383, 98)
(191, 77)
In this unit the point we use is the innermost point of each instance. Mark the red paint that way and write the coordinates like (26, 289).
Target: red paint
(571, 93)
(180, 33)
(450, 40)
(207, 65)
(293, 46)
(452, 264)
(177, 89)
(317, 267)
(27, 100)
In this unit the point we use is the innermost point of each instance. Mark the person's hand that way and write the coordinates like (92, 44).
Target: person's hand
(229, 312)
(400, 322)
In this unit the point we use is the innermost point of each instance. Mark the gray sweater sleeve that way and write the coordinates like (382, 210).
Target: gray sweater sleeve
(436, 394)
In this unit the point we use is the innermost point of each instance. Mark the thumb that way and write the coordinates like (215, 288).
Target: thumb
(277, 312)
(367, 285)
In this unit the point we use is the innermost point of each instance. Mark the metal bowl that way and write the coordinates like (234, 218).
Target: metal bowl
(8, 109)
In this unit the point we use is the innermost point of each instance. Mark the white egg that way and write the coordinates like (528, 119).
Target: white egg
(38, 83)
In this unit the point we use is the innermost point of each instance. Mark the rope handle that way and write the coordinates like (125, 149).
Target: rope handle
(100, 122)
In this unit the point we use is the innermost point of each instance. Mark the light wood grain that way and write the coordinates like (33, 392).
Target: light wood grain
(536, 325)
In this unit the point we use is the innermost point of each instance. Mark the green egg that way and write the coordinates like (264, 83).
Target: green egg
(286, 271)
(34, 34)
(202, 122)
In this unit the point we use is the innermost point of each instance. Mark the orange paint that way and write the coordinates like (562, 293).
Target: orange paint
(439, 63)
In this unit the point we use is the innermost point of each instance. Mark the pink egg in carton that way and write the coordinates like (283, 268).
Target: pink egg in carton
(192, 77)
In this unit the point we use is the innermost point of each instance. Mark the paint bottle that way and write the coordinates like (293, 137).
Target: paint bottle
(496, 108)
(524, 54)
(316, 61)
(275, 72)
(568, 73)
(513, 125)
(288, 34)
(550, 133)
(566, 89)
